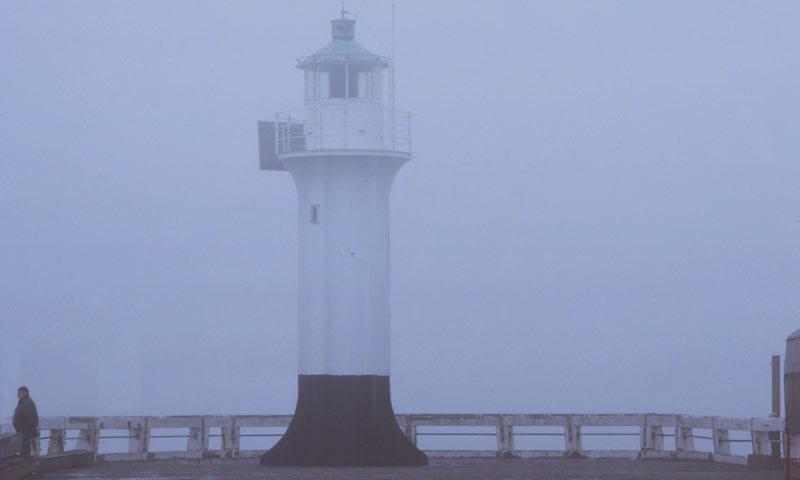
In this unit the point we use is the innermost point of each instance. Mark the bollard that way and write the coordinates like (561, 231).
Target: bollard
(791, 385)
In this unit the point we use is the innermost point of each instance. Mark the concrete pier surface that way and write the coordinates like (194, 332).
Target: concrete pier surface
(439, 469)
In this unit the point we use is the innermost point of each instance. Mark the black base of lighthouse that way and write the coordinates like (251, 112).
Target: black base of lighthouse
(344, 420)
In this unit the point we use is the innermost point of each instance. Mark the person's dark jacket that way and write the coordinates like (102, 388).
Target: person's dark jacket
(26, 418)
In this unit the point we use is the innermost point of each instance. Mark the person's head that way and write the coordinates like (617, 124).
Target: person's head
(22, 392)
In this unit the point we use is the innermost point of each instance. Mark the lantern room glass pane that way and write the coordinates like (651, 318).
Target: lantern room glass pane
(338, 82)
(324, 84)
(352, 82)
(365, 84)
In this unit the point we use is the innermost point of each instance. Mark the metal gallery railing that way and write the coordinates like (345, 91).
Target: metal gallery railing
(757, 435)
(334, 127)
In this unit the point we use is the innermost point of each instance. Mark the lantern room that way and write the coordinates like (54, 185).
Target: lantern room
(343, 109)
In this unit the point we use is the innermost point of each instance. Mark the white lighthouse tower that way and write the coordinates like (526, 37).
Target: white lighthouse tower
(343, 151)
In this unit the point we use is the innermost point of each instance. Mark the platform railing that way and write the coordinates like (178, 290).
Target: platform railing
(88, 433)
(340, 128)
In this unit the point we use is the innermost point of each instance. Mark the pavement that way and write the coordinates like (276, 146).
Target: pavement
(439, 469)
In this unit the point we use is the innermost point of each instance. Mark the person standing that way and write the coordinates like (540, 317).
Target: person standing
(26, 420)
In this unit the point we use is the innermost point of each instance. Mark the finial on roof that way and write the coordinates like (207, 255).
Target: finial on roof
(343, 28)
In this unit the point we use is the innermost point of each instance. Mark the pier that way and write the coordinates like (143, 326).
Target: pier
(439, 469)
(669, 446)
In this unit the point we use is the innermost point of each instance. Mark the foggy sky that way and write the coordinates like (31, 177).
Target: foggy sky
(601, 214)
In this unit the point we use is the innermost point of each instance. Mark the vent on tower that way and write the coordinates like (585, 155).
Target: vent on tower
(314, 214)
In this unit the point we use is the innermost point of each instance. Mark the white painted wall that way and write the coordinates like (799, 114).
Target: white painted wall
(343, 262)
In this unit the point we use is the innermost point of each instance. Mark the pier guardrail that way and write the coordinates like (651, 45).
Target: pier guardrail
(652, 429)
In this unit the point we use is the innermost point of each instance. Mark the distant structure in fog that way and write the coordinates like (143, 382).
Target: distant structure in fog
(343, 151)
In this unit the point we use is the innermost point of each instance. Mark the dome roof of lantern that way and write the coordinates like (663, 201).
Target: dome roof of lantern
(342, 49)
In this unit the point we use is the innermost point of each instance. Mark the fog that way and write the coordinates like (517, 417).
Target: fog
(601, 215)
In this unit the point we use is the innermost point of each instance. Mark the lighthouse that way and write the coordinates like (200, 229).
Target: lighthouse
(343, 150)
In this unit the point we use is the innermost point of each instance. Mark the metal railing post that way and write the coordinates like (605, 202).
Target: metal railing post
(644, 434)
(87, 437)
(572, 438)
(198, 438)
(409, 429)
(505, 437)
(137, 443)
(684, 442)
(720, 437)
(56, 443)
(230, 439)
